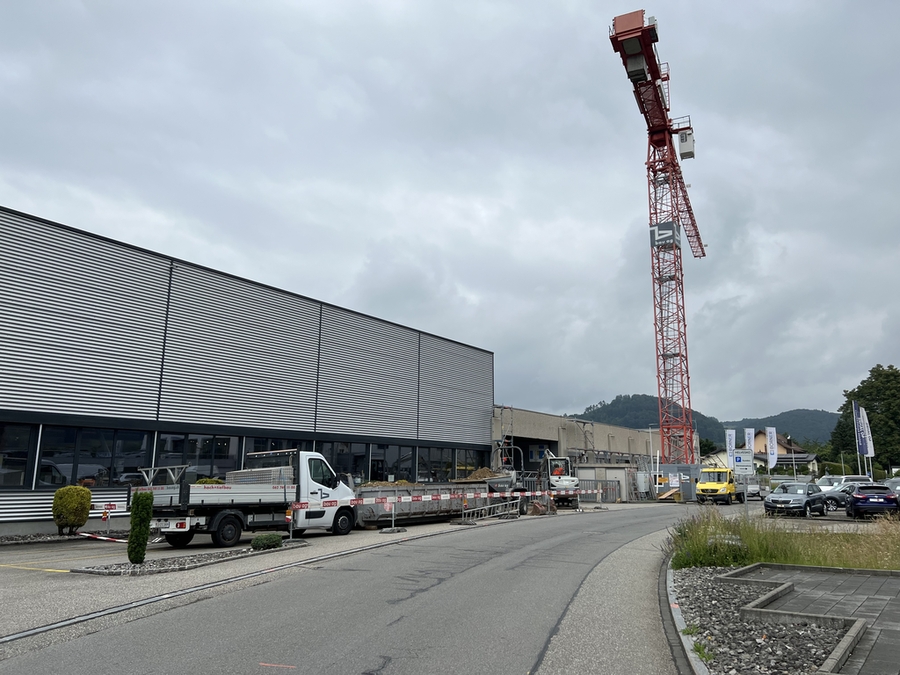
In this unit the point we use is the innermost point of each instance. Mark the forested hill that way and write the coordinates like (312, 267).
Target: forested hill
(640, 411)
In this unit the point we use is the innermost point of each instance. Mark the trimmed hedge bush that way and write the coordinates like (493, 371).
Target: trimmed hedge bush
(141, 513)
(265, 541)
(71, 507)
(209, 481)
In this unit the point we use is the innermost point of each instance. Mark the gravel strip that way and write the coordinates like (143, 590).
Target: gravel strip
(151, 566)
(737, 647)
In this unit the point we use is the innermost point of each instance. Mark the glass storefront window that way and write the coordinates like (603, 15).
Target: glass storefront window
(58, 446)
(349, 458)
(94, 461)
(131, 453)
(15, 452)
(468, 462)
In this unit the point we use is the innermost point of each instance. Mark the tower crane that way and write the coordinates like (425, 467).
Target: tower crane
(670, 216)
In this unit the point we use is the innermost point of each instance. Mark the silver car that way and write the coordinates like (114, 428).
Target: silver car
(795, 498)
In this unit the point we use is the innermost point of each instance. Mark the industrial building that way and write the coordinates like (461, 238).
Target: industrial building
(114, 358)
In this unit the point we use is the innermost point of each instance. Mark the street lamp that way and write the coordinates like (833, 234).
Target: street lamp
(793, 455)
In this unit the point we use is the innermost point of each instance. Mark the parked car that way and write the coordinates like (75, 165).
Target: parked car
(753, 491)
(852, 479)
(871, 498)
(795, 498)
(893, 483)
(837, 496)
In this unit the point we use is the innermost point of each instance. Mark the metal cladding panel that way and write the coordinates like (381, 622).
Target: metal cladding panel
(456, 397)
(82, 321)
(238, 353)
(368, 376)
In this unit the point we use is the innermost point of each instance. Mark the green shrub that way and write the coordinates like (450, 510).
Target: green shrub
(71, 507)
(264, 541)
(141, 513)
(209, 481)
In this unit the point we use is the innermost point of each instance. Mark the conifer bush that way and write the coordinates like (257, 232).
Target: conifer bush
(266, 541)
(141, 513)
(71, 507)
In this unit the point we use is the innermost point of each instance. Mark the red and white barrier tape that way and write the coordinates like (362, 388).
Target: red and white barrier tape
(97, 536)
(394, 499)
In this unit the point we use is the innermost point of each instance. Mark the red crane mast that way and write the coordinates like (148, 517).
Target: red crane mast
(670, 215)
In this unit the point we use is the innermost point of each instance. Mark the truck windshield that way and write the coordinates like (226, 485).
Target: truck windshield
(714, 477)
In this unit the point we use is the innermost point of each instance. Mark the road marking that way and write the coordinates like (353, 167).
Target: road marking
(34, 569)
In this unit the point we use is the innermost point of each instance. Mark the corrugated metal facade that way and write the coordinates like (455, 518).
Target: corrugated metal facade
(81, 322)
(94, 327)
(456, 390)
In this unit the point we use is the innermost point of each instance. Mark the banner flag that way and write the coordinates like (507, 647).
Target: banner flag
(771, 446)
(750, 439)
(860, 429)
(867, 432)
(729, 446)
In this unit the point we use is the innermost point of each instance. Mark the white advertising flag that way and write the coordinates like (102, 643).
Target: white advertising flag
(771, 446)
(750, 440)
(729, 446)
(870, 444)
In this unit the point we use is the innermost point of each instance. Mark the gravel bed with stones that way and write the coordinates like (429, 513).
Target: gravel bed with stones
(735, 647)
(150, 566)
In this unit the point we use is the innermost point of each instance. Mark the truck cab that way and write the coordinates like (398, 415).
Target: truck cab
(717, 485)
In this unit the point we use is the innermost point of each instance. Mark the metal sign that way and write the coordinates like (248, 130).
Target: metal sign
(743, 462)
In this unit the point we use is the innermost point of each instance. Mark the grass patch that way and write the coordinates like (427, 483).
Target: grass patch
(709, 540)
(690, 630)
(703, 652)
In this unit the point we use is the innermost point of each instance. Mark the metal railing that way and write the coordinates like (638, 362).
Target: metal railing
(496, 510)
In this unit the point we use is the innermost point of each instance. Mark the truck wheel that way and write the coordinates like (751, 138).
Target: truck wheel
(179, 539)
(742, 497)
(228, 533)
(343, 522)
(728, 500)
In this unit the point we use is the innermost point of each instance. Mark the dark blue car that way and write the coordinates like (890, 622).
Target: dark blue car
(871, 498)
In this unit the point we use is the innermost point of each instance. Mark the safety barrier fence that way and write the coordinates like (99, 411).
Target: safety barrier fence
(27, 505)
(18, 506)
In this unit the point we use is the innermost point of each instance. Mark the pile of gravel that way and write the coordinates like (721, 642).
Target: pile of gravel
(737, 647)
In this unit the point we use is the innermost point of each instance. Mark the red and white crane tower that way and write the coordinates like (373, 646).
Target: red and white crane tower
(670, 215)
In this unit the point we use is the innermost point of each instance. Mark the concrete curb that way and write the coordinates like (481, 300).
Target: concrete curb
(687, 643)
(856, 628)
(136, 571)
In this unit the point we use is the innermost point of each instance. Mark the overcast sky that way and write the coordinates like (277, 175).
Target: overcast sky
(475, 169)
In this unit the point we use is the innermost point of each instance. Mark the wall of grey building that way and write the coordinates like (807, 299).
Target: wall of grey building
(113, 356)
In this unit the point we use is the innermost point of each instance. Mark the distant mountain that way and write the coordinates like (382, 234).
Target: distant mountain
(801, 425)
(640, 411)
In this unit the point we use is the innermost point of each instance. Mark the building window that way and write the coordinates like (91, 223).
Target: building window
(15, 455)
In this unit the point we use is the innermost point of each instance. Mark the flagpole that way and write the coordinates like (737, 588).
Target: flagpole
(856, 435)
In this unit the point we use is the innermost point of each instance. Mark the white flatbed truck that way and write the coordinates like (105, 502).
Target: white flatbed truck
(287, 490)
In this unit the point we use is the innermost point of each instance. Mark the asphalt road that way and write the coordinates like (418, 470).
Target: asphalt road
(545, 595)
